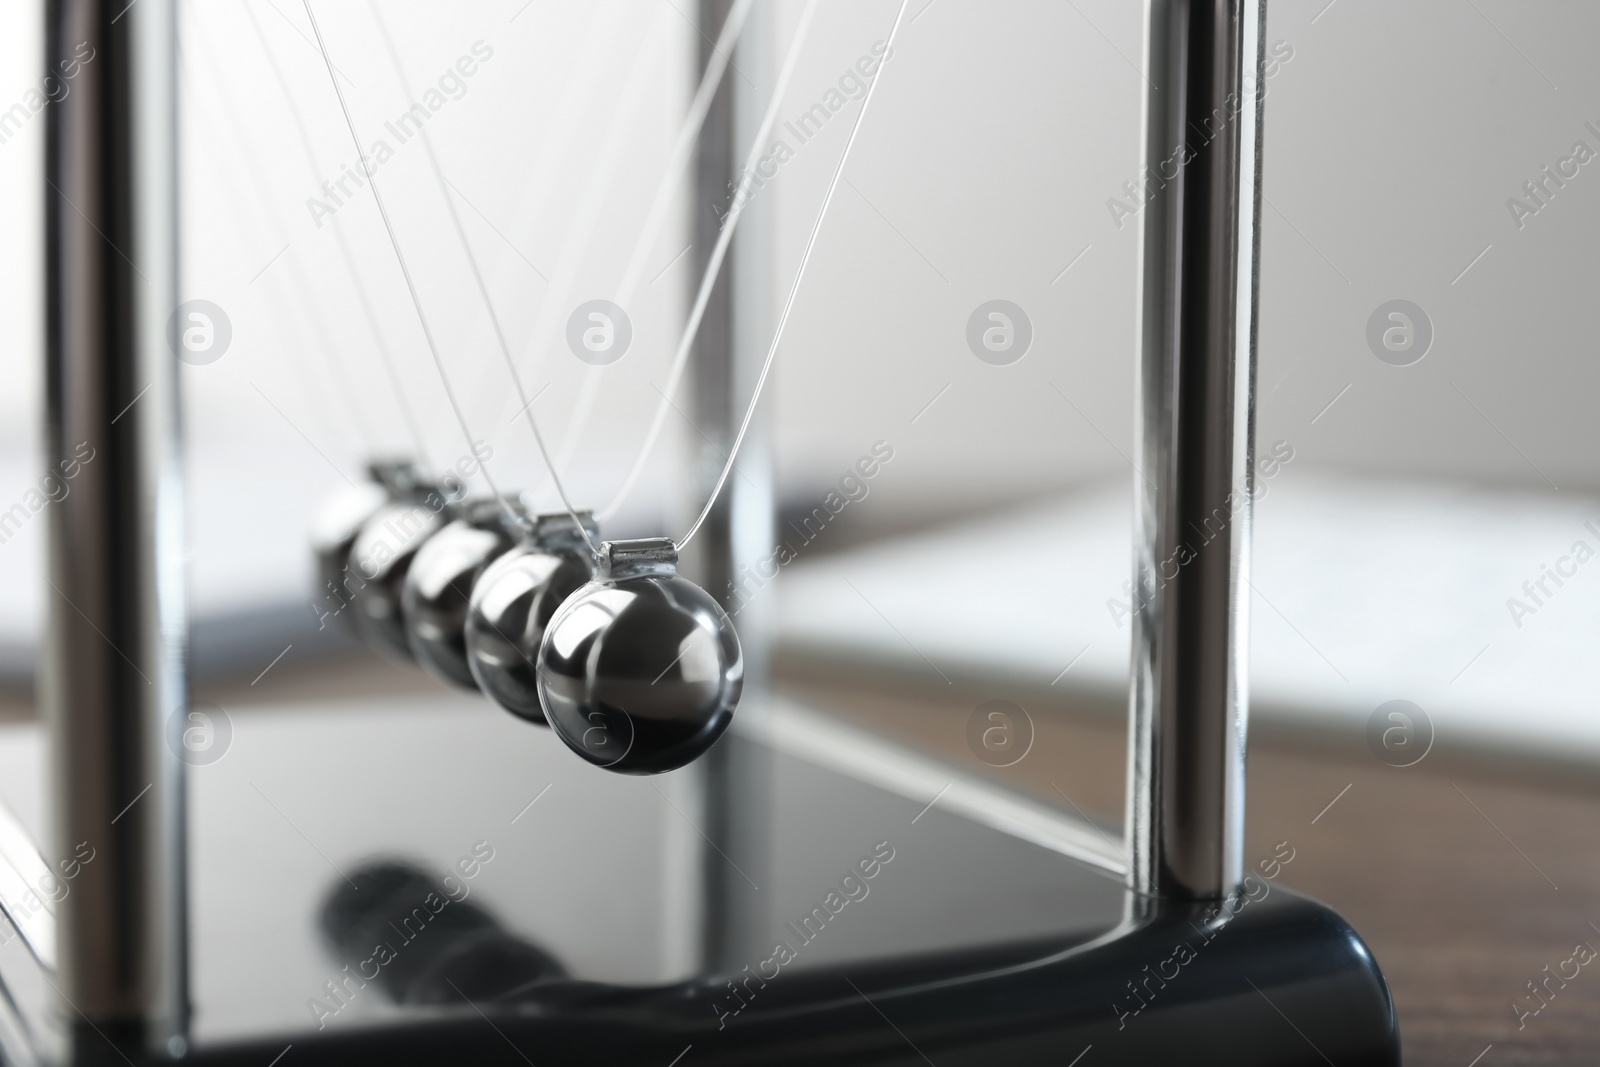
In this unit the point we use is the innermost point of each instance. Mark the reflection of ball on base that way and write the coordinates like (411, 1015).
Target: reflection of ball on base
(640, 670)
(512, 604)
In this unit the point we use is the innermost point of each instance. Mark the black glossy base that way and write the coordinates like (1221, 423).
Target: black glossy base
(1285, 982)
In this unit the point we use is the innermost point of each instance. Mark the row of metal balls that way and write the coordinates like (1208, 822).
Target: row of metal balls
(634, 667)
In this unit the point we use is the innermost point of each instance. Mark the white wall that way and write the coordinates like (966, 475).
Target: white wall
(1394, 136)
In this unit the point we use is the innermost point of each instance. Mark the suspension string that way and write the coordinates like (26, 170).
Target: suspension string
(713, 267)
(407, 415)
(591, 50)
(688, 134)
(320, 334)
(405, 271)
(477, 275)
(794, 289)
(577, 240)
(682, 149)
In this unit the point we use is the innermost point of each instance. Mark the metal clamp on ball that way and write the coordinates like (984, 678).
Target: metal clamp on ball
(639, 558)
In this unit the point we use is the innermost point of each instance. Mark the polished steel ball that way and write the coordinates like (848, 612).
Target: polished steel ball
(339, 520)
(380, 558)
(439, 583)
(513, 603)
(640, 670)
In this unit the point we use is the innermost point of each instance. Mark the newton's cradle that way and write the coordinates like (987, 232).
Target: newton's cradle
(1173, 954)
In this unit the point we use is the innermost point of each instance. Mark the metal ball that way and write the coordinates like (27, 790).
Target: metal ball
(439, 583)
(339, 520)
(380, 558)
(640, 670)
(512, 604)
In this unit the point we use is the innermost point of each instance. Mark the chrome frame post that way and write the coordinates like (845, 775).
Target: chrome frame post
(1194, 441)
(739, 532)
(113, 658)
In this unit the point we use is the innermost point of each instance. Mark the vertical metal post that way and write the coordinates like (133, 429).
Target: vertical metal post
(112, 666)
(738, 532)
(1194, 438)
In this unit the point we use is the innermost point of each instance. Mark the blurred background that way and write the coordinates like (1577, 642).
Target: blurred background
(1429, 506)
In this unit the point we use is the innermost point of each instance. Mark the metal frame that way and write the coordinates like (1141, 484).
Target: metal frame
(113, 663)
(739, 530)
(1195, 428)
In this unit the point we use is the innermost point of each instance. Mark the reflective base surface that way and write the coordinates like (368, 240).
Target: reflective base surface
(567, 904)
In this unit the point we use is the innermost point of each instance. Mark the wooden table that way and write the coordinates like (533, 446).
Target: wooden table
(1466, 874)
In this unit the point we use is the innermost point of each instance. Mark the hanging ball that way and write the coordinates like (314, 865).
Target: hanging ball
(513, 603)
(382, 555)
(438, 585)
(640, 670)
(339, 520)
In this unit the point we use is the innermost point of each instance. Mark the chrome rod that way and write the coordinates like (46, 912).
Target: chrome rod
(112, 663)
(738, 532)
(1195, 425)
